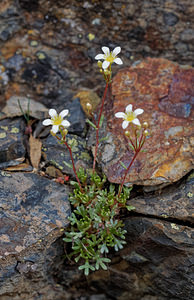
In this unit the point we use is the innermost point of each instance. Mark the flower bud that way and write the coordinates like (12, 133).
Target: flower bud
(145, 133)
(127, 133)
(99, 64)
(88, 106)
(138, 126)
(107, 72)
(145, 125)
(65, 131)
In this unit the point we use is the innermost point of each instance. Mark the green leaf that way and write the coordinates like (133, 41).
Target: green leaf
(67, 240)
(86, 267)
(103, 139)
(104, 249)
(123, 165)
(130, 207)
(131, 146)
(91, 124)
(101, 120)
(68, 165)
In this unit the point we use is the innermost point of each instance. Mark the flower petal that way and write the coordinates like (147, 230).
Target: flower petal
(120, 115)
(105, 64)
(138, 111)
(55, 128)
(99, 56)
(136, 122)
(65, 123)
(106, 50)
(52, 113)
(116, 51)
(118, 61)
(125, 124)
(129, 108)
(47, 122)
(64, 113)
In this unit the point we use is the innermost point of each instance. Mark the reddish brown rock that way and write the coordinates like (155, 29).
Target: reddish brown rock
(165, 91)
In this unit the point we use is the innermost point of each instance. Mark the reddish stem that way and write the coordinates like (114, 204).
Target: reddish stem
(74, 169)
(126, 172)
(98, 126)
(137, 150)
(130, 142)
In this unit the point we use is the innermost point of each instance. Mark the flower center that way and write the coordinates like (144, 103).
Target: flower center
(110, 58)
(57, 120)
(130, 116)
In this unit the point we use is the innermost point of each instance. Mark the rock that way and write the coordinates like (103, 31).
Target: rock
(88, 96)
(136, 33)
(175, 202)
(12, 108)
(12, 150)
(35, 208)
(170, 19)
(58, 155)
(31, 275)
(156, 263)
(165, 91)
(187, 34)
(34, 212)
(15, 62)
(10, 19)
(77, 118)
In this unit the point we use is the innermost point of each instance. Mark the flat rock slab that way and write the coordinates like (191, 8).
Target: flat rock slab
(12, 150)
(175, 202)
(58, 155)
(13, 104)
(165, 91)
(32, 208)
(156, 263)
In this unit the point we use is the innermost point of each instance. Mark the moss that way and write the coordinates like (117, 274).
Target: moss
(4, 127)
(14, 130)
(190, 195)
(85, 156)
(174, 226)
(2, 135)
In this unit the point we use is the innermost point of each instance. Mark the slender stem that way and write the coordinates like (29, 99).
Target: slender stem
(140, 141)
(109, 91)
(93, 119)
(126, 172)
(98, 126)
(73, 165)
(130, 142)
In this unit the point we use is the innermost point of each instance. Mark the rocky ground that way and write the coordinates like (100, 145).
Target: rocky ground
(47, 51)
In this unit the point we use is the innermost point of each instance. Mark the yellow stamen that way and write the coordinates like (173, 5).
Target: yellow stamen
(110, 58)
(130, 116)
(57, 120)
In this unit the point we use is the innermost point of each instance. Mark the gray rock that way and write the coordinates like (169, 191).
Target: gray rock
(58, 155)
(12, 150)
(187, 35)
(10, 20)
(156, 263)
(174, 202)
(12, 108)
(170, 19)
(33, 214)
(34, 206)
(77, 118)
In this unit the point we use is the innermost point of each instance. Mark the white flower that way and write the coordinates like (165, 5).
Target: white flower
(57, 120)
(109, 57)
(129, 116)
